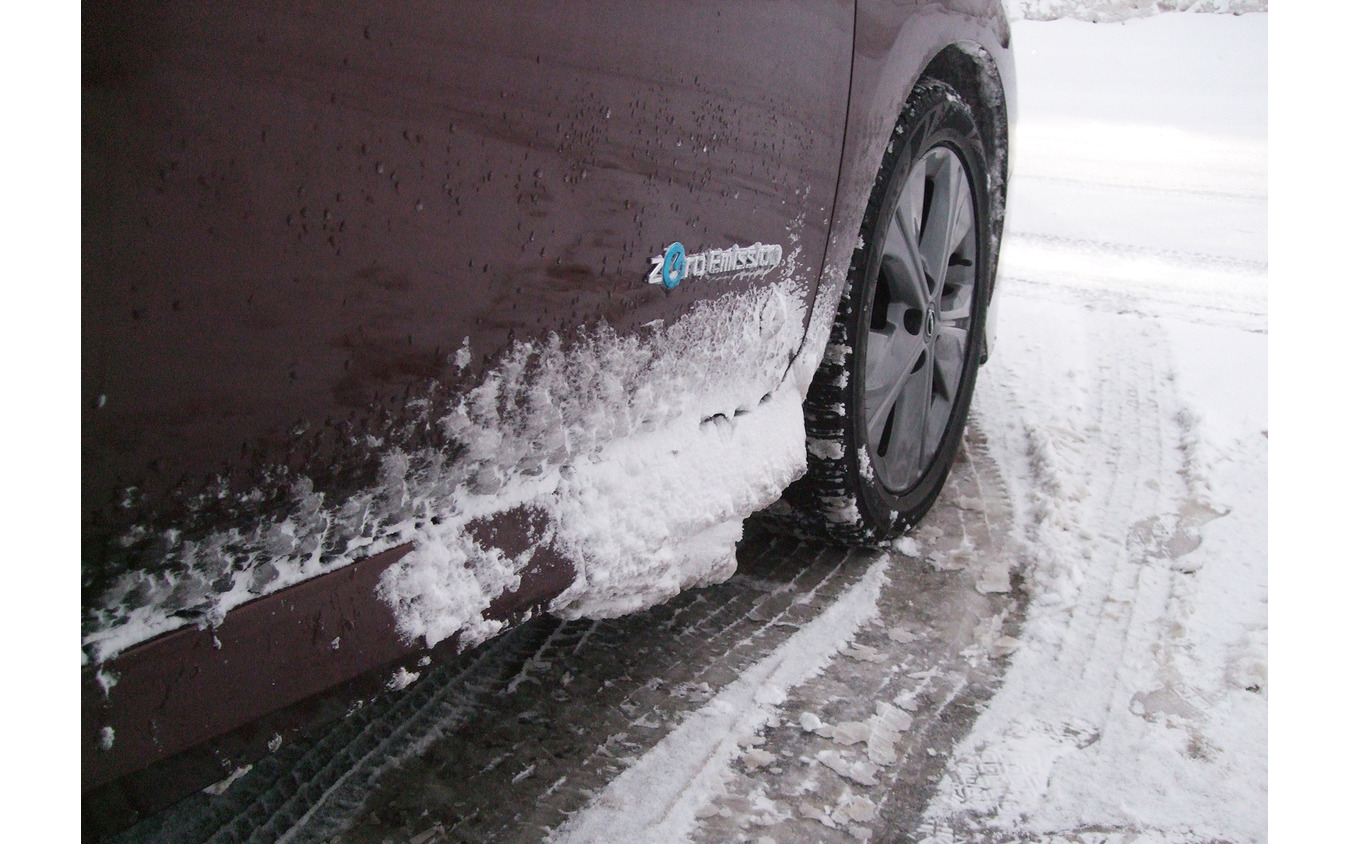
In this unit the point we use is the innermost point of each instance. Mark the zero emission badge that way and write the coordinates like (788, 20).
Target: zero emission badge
(674, 265)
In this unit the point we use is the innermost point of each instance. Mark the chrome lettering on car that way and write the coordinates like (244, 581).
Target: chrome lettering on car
(675, 264)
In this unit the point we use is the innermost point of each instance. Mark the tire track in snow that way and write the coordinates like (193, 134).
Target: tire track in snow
(600, 703)
(281, 792)
(1111, 249)
(1165, 185)
(1104, 474)
(1139, 280)
(1143, 479)
(694, 663)
(1127, 392)
(315, 788)
(926, 664)
(656, 799)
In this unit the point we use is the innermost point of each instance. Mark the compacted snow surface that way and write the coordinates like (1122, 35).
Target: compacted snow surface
(1125, 405)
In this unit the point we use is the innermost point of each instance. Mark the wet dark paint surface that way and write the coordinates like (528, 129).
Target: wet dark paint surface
(295, 215)
(895, 43)
(271, 669)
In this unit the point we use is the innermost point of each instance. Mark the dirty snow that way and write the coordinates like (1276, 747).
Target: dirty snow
(659, 797)
(654, 452)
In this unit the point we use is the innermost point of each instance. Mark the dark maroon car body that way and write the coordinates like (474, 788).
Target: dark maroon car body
(294, 211)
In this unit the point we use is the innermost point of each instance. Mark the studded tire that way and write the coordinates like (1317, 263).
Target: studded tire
(887, 408)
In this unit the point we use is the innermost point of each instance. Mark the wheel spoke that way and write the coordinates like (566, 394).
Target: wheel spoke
(960, 214)
(949, 354)
(878, 416)
(891, 356)
(905, 459)
(957, 296)
(938, 414)
(903, 241)
(891, 353)
(903, 276)
(950, 216)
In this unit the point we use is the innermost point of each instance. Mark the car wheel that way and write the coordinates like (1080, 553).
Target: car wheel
(886, 411)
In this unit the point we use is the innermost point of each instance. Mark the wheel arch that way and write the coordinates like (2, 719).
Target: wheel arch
(964, 43)
(975, 74)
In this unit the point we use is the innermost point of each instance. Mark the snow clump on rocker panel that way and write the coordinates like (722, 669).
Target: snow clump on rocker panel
(643, 451)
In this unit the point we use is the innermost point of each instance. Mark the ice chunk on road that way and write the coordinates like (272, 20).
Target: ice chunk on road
(1005, 645)
(886, 727)
(817, 814)
(974, 505)
(756, 759)
(863, 773)
(852, 732)
(907, 545)
(855, 807)
(901, 635)
(994, 579)
(865, 653)
(218, 788)
(954, 560)
(402, 679)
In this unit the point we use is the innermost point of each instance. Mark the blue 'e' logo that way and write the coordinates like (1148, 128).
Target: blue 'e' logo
(672, 270)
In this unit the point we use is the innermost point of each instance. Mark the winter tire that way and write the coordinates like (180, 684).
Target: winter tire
(886, 411)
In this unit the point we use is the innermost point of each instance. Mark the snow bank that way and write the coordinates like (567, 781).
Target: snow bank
(1118, 10)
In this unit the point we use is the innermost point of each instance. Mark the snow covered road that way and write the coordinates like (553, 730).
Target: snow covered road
(1129, 394)
(1072, 648)
(1140, 170)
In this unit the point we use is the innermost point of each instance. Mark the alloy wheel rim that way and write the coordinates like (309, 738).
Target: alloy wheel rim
(922, 306)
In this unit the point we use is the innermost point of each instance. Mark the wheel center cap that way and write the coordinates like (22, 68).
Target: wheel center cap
(930, 324)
